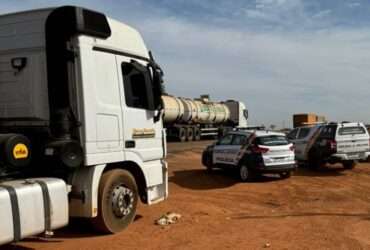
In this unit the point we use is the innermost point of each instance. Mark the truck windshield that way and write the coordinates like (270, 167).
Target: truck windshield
(272, 140)
(351, 131)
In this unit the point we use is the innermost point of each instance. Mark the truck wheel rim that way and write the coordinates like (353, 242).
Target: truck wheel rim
(244, 172)
(122, 201)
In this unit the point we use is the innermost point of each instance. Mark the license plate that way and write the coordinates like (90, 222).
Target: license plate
(353, 156)
(279, 159)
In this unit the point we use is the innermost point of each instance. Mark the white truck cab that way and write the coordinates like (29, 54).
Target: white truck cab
(346, 143)
(81, 102)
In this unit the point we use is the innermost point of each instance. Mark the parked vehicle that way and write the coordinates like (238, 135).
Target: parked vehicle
(190, 120)
(80, 105)
(252, 153)
(332, 143)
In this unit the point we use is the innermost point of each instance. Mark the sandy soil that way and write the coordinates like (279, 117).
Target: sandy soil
(327, 209)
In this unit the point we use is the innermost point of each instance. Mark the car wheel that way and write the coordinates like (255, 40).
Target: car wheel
(245, 174)
(285, 175)
(349, 164)
(315, 163)
(207, 161)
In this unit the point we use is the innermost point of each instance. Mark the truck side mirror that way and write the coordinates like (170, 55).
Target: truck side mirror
(157, 82)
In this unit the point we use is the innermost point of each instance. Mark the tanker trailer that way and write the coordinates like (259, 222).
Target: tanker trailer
(192, 119)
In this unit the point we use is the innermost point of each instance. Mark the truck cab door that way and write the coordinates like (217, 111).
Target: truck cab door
(221, 148)
(143, 134)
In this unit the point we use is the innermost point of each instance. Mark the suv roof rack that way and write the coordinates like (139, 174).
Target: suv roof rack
(251, 128)
(313, 123)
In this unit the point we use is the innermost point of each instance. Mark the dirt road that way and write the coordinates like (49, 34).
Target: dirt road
(329, 209)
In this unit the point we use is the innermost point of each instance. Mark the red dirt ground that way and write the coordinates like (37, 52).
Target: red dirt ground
(326, 209)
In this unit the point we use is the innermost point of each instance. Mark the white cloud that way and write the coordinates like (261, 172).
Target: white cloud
(323, 13)
(354, 5)
(275, 74)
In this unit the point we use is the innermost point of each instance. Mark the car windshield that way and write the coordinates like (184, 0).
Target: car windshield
(272, 140)
(351, 131)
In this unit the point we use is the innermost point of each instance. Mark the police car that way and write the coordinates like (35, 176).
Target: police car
(346, 143)
(252, 153)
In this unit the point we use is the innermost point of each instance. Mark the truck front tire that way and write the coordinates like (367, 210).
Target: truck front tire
(117, 201)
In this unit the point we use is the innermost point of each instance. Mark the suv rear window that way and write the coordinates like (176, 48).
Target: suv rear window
(272, 140)
(328, 132)
(351, 131)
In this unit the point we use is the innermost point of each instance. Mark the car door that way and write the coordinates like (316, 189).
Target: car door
(235, 152)
(221, 148)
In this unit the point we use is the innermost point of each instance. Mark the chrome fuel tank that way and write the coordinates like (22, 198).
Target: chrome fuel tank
(30, 207)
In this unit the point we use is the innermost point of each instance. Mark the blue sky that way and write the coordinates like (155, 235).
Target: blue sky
(278, 56)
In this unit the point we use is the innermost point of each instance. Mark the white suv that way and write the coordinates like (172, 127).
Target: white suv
(252, 153)
(332, 143)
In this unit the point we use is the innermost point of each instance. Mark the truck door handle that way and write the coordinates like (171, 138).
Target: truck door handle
(130, 144)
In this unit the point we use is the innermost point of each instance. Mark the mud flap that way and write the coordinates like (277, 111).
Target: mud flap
(159, 192)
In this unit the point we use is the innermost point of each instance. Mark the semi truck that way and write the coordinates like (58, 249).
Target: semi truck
(192, 119)
(81, 130)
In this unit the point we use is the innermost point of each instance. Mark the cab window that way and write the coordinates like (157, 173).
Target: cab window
(239, 140)
(137, 84)
(226, 140)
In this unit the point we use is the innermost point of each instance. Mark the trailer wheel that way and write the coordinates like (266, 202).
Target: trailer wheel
(182, 134)
(189, 134)
(197, 134)
(117, 201)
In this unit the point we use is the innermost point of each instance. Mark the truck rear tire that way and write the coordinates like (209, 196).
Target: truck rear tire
(117, 201)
